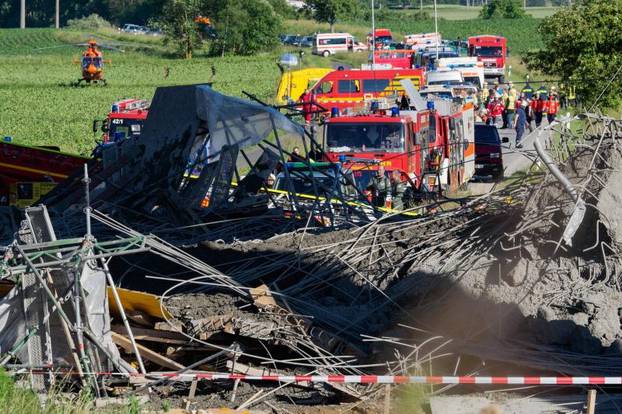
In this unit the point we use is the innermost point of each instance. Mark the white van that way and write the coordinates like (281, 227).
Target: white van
(472, 70)
(326, 44)
(444, 77)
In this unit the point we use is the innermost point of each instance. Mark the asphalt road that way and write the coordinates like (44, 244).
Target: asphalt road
(515, 159)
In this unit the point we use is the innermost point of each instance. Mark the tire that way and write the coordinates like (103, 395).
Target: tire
(326, 53)
(358, 50)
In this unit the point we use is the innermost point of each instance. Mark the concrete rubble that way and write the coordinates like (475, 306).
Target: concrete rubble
(489, 287)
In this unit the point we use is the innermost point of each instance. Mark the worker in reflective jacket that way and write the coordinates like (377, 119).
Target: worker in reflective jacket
(380, 186)
(552, 107)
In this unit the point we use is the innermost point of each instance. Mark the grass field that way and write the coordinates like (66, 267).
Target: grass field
(37, 107)
(455, 12)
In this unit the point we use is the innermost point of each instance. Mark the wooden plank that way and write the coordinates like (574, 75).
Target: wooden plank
(152, 335)
(591, 401)
(146, 353)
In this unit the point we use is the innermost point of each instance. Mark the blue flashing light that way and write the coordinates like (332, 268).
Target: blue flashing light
(374, 106)
(342, 158)
(395, 111)
(430, 105)
(334, 112)
(7, 139)
(115, 108)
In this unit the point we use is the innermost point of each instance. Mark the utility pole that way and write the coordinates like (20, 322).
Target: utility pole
(436, 30)
(58, 14)
(373, 37)
(22, 14)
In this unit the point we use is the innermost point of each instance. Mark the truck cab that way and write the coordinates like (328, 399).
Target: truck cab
(403, 142)
(492, 52)
(125, 120)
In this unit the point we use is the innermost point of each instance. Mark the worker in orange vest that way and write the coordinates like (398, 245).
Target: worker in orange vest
(552, 107)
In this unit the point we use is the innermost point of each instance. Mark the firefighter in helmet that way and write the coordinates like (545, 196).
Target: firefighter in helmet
(380, 186)
(398, 188)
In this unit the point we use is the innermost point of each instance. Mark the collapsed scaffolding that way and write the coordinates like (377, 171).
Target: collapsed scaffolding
(312, 301)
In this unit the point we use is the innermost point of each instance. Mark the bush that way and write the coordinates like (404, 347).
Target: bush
(507, 9)
(94, 21)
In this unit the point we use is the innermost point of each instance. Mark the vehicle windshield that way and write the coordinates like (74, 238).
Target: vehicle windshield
(445, 82)
(489, 51)
(443, 95)
(381, 136)
(120, 128)
(486, 134)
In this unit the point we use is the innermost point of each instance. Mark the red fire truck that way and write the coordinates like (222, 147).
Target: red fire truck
(27, 173)
(492, 51)
(125, 120)
(343, 89)
(396, 59)
(431, 148)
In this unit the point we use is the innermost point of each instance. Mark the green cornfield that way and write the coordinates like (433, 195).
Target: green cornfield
(38, 107)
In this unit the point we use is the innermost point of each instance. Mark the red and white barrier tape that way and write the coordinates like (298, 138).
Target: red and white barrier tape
(366, 379)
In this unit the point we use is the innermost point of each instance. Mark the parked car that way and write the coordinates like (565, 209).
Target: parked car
(307, 41)
(134, 29)
(289, 39)
(488, 152)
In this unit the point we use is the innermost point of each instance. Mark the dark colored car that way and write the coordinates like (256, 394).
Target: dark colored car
(307, 41)
(488, 152)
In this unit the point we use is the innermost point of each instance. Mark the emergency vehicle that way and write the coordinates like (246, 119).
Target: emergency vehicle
(421, 40)
(433, 148)
(28, 172)
(343, 89)
(472, 70)
(395, 59)
(294, 83)
(382, 38)
(125, 120)
(326, 44)
(492, 52)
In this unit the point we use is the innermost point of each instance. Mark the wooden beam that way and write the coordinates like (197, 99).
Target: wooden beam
(152, 335)
(146, 353)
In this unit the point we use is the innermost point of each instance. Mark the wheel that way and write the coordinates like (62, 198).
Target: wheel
(358, 50)
(326, 53)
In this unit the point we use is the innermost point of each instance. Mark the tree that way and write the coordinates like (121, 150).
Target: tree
(583, 46)
(179, 26)
(244, 27)
(507, 9)
(329, 11)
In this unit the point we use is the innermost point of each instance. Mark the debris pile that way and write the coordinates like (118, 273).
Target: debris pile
(511, 280)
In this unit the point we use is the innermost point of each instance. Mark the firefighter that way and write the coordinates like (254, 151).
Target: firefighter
(510, 106)
(380, 186)
(520, 122)
(307, 104)
(398, 188)
(527, 90)
(533, 108)
(540, 109)
(544, 93)
(552, 106)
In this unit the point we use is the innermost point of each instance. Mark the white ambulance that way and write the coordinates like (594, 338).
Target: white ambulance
(326, 44)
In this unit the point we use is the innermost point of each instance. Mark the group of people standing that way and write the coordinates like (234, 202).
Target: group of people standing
(388, 191)
(507, 108)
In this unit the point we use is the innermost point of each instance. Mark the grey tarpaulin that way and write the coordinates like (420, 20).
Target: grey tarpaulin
(233, 120)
